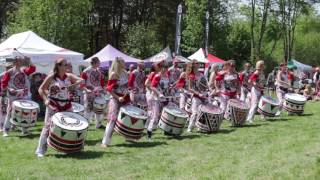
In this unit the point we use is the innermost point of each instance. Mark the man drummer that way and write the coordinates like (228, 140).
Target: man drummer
(244, 79)
(93, 87)
(283, 85)
(257, 79)
(136, 85)
(16, 82)
(174, 73)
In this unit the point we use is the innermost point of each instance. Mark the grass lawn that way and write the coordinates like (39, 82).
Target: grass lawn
(286, 148)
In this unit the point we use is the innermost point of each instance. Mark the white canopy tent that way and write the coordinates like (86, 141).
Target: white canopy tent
(199, 56)
(41, 52)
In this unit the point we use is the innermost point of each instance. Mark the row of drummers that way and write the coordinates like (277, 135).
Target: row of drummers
(169, 98)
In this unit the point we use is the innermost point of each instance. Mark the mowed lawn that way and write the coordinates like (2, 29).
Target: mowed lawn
(284, 148)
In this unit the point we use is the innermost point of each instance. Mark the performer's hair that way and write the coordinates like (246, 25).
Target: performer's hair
(116, 68)
(57, 63)
(94, 60)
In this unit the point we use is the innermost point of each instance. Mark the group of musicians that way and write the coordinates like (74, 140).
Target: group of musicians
(137, 88)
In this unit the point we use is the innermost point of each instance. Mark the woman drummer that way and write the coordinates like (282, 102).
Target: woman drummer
(257, 79)
(198, 87)
(118, 88)
(55, 94)
(228, 84)
(283, 85)
(159, 91)
(183, 86)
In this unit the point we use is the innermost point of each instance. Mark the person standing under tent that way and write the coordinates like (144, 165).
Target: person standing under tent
(55, 94)
(16, 82)
(244, 79)
(160, 89)
(118, 88)
(136, 85)
(93, 87)
(229, 84)
(282, 86)
(258, 81)
(198, 87)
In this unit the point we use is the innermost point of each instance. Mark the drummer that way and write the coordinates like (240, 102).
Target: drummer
(93, 87)
(257, 79)
(283, 85)
(16, 82)
(174, 73)
(159, 92)
(3, 99)
(198, 87)
(136, 85)
(244, 79)
(118, 88)
(229, 84)
(55, 94)
(183, 86)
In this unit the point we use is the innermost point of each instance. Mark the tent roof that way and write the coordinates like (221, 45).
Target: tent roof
(109, 53)
(30, 43)
(200, 56)
(300, 66)
(165, 54)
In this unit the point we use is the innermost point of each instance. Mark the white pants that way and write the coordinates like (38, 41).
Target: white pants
(156, 107)
(88, 113)
(244, 94)
(280, 95)
(196, 102)
(255, 98)
(108, 133)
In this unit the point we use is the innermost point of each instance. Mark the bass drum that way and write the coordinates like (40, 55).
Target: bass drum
(209, 119)
(24, 113)
(173, 120)
(268, 106)
(237, 112)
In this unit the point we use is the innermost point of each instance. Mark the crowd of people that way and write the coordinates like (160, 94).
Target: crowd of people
(154, 90)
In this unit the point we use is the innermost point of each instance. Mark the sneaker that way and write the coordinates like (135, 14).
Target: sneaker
(104, 146)
(5, 134)
(278, 113)
(99, 126)
(40, 155)
(25, 133)
(249, 122)
(189, 131)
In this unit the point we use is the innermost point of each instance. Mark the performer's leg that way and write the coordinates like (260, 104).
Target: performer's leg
(114, 107)
(42, 145)
(7, 124)
(155, 115)
(108, 133)
(194, 108)
(255, 97)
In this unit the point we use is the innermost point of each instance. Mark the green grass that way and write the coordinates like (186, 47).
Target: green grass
(286, 148)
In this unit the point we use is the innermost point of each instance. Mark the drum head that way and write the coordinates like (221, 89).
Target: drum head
(239, 104)
(134, 112)
(76, 107)
(100, 100)
(211, 109)
(295, 97)
(26, 104)
(176, 111)
(70, 121)
(271, 100)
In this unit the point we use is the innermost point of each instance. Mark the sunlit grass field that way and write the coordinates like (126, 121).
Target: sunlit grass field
(283, 148)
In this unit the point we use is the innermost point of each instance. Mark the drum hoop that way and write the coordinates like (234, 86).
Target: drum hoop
(123, 110)
(184, 115)
(56, 121)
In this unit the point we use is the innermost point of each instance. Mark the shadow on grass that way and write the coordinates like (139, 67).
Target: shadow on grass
(279, 119)
(30, 136)
(225, 131)
(310, 114)
(93, 142)
(247, 126)
(82, 155)
(141, 144)
(182, 137)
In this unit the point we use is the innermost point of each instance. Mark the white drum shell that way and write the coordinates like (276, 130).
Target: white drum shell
(173, 120)
(24, 113)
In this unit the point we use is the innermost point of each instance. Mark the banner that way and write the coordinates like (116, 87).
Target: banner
(178, 30)
(207, 34)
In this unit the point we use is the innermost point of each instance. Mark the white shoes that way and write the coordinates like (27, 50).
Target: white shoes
(189, 131)
(278, 113)
(40, 155)
(249, 121)
(5, 134)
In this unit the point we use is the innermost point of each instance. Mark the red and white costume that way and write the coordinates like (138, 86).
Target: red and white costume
(59, 98)
(137, 88)
(94, 81)
(198, 83)
(149, 97)
(256, 93)
(281, 88)
(161, 83)
(245, 85)
(2, 99)
(119, 87)
(17, 84)
(230, 85)
(183, 85)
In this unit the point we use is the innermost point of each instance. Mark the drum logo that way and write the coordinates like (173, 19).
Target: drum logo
(19, 81)
(75, 123)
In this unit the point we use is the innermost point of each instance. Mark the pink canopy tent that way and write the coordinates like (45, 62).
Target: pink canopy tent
(109, 53)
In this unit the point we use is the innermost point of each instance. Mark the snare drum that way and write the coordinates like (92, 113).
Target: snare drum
(67, 132)
(268, 106)
(173, 120)
(77, 108)
(294, 103)
(99, 105)
(236, 112)
(209, 119)
(130, 122)
(24, 113)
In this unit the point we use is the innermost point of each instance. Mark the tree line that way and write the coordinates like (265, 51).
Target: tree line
(272, 30)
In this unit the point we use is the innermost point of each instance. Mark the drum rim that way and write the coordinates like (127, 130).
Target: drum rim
(14, 104)
(287, 96)
(277, 103)
(55, 121)
(123, 110)
(79, 105)
(204, 105)
(186, 115)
